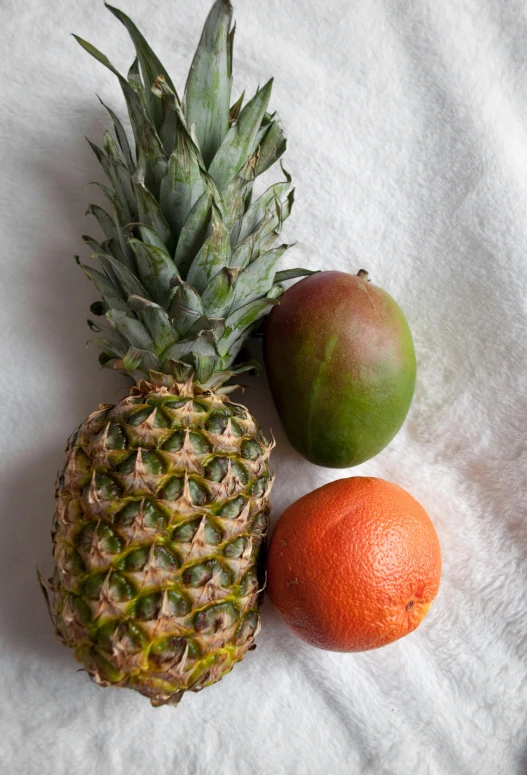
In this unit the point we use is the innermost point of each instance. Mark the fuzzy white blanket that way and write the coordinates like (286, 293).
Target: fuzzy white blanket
(407, 126)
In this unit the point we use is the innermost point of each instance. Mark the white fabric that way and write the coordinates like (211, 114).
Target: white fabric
(407, 142)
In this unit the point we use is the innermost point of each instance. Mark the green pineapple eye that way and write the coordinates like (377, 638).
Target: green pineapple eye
(199, 445)
(239, 470)
(81, 610)
(115, 438)
(211, 536)
(147, 607)
(259, 487)
(118, 589)
(152, 516)
(171, 650)
(235, 548)
(259, 525)
(236, 410)
(72, 562)
(217, 423)
(98, 537)
(152, 463)
(173, 489)
(199, 575)
(175, 442)
(136, 418)
(102, 415)
(216, 469)
(250, 449)
(160, 420)
(247, 627)
(136, 560)
(105, 486)
(233, 508)
(127, 634)
(183, 534)
(216, 618)
(249, 583)
(198, 493)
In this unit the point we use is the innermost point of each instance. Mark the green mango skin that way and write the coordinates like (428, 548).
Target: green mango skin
(341, 365)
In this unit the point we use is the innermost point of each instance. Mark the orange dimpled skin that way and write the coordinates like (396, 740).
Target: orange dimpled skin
(354, 565)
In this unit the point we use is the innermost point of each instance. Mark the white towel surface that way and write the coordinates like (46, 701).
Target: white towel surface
(407, 127)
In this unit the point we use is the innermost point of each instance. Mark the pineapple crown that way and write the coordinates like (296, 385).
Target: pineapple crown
(188, 263)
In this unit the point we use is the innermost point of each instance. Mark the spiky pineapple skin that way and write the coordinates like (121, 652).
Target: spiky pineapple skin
(162, 512)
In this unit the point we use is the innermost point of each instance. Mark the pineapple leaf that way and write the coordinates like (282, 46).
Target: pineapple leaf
(240, 139)
(108, 348)
(236, 108)
(258, 279)
(132, 329)
(181, 372)
(97, 248)
(150, 237)
(261, 239)
(219, 294)
(150, 213)
(128, 282)
(105, 221)
(203, 343)
(120, 211)
(182, 184)
(292, 274)
(108, 291)
(239, 321)
(156, 321)
(155, 269)
(122, 137)
(234, 196)
(94, 246)
(99, 308)
(204, 367)
(151, 67)
(134, 358)
(230, 50)
(213, 255)
(208, 88)
(114, 248)
(193, 233)
(276, 292)
(134, 79)
(216, 325)
(99, 56)
(118, 173)
(220, 377)
(271, 147)
(111, 232)
(256, 212)
(145, 134)
(277, 215)
(186, 307)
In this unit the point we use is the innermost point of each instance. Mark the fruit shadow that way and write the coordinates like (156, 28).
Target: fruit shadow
(58, 299)
(294, 475)
(26, 625)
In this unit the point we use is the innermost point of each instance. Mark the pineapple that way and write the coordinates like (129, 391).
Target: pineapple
(163, 502)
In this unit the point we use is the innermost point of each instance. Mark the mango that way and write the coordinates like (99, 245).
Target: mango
(341, 366)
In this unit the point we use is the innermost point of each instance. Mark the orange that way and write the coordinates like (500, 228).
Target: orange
(354, 565)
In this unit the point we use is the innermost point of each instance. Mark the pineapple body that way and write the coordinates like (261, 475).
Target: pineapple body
(162, 510)
(162, 505)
